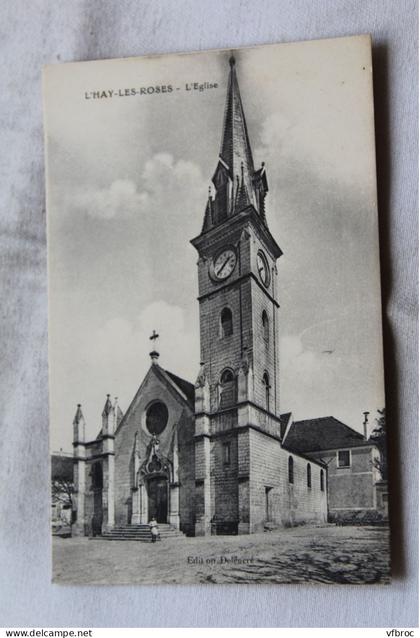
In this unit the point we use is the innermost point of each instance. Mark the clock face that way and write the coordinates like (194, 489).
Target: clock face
(263, 269)
(224, 263)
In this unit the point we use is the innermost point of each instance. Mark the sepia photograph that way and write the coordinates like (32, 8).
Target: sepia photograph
(217, 406)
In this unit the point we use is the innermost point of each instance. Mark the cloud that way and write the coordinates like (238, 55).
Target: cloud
(163, 182)
(120, 199)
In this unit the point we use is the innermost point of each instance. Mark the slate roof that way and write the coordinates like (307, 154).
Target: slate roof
(325, 433)
(185, 386)
(61, 467)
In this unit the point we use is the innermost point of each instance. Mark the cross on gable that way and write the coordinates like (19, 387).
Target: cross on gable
(154, 355)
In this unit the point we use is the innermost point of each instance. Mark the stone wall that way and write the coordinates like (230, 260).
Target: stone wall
(253, 488)
(186, 475)
(271, 493)
(224, 484)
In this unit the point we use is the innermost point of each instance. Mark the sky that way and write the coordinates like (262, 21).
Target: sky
(127, 184)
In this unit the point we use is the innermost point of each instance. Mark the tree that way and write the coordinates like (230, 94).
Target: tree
(62, 491)
(378, 437)
(62, 483)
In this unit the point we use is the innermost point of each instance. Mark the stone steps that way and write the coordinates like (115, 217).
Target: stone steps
(139, 533)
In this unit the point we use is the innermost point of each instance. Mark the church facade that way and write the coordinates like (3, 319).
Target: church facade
(208, 458)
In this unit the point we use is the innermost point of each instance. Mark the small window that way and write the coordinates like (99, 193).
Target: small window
(265, 326)
(226, 324)
(226, 453)
(308, 476)
(321, 480)
(291, 475)
(343, 458)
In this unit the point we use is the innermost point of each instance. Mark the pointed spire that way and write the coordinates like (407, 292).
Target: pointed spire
(208, 214)
(235, 148)
(238, 187)
(108, 406)
(78, 429)
(261, 190)
(79, 415)
(117, 413)
(242, 199)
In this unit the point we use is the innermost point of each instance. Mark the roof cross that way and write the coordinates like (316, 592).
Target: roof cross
(154, 355)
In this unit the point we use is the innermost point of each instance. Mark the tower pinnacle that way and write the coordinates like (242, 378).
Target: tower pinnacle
(79, 414)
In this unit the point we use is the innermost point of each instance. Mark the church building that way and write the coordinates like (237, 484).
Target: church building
(208, 458)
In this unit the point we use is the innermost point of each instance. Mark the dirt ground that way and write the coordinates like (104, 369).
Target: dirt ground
(328, 554)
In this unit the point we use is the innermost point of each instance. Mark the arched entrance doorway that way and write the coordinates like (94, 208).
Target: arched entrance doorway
(157, 496)
(154, 478)
(97, 487)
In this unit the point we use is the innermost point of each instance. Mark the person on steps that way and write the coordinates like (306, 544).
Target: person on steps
(154, 530)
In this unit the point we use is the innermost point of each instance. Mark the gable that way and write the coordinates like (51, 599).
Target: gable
(157, 384)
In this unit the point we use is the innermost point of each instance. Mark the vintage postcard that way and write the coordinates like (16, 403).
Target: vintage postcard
(217, 407)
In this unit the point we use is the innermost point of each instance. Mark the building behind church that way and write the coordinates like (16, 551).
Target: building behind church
(217, 456)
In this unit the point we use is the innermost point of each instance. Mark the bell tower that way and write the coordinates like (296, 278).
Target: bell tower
(237, 388)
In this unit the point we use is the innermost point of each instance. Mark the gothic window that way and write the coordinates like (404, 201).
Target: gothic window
(227, 376)
(291, 471)
(226, 323)
(266, 384)
(227, 389)
(226, 453)
(308, 476)
(156, 417)
(321, 479)
(265, 326)
(343, 458)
